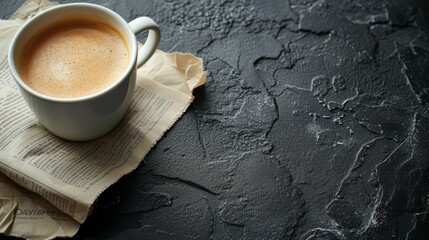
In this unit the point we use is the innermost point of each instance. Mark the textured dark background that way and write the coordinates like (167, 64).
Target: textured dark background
(313, 124)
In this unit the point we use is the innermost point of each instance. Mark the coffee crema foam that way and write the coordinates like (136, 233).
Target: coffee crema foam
(74, 58)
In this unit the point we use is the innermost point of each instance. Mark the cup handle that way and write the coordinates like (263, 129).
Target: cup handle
(139, 25)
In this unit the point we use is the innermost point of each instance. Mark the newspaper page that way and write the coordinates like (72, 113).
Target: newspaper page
(47, 184)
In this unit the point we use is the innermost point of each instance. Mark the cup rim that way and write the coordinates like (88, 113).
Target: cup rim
(20, 81)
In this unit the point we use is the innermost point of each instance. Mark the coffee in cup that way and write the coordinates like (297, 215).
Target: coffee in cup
(76, 67)
(74, 57)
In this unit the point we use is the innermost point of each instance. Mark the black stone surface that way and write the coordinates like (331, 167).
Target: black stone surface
(313, 124)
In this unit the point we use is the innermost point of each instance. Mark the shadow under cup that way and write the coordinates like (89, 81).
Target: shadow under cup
(82, 118)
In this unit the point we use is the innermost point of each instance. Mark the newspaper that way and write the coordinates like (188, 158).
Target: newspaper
(47, 184)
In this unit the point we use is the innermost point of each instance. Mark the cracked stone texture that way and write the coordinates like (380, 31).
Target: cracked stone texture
(313, 124)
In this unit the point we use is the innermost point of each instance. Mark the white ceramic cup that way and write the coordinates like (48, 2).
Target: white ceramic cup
(88, 117)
